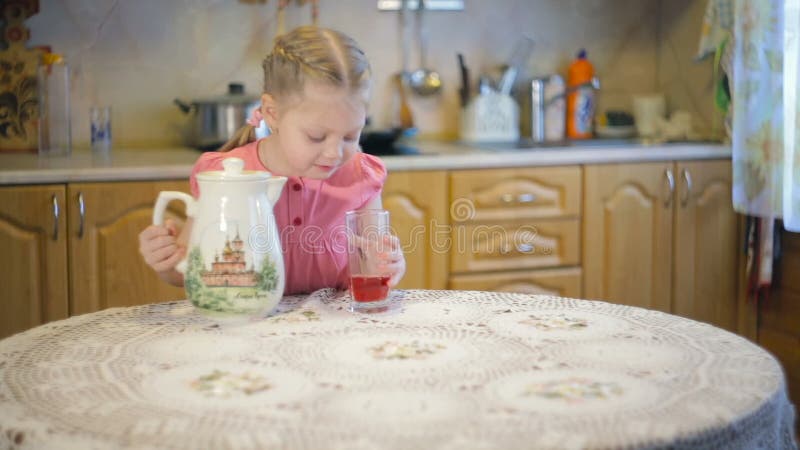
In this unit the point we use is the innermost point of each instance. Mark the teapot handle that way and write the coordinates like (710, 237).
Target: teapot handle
(165, 197)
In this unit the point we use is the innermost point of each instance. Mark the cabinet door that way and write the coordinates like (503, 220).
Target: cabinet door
(515, 245)
(106, 269)
(33, 244)
(515, 194)
(706, 230)
(560, 282)
(627, 234)
(417, 205)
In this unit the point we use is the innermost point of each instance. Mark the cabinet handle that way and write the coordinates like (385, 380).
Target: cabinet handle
(81, 214)
(671, 185)
(526, 198)
(506, 248)
(521, 198)
(525, 248)
(55, 217)
(687, 182)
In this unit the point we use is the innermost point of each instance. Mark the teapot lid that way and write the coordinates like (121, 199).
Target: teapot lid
(233, 170)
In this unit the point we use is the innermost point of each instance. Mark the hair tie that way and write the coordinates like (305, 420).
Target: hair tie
(255, 117)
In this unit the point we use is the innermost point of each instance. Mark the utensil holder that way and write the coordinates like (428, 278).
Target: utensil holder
(490, 117)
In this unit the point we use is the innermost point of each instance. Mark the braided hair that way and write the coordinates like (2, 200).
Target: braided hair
(309, 53)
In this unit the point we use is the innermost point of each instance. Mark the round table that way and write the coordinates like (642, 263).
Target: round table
(441, 369)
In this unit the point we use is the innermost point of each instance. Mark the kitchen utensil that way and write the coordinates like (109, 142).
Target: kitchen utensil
(215, 120)
(485, 85)
(490, 117)
(281, 17)
(516, 63)
(424, 81)
(315, 12)
(463, 91)
(234, 268)
(405, 115)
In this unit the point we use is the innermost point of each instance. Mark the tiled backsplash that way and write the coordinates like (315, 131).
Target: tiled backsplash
(139, 55)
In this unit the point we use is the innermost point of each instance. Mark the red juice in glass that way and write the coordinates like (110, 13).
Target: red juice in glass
(369, 288)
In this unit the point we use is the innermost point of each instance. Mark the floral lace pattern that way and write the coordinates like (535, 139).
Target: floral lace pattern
(562, 322)
(440, 369)
(411, 350)
(220, 383)
(575, 390)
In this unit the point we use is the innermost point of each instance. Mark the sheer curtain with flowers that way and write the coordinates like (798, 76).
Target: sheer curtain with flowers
(763, 70)
(756, 44)
(791, 113)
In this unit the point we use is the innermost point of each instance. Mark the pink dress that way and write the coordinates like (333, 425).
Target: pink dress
(310, 215)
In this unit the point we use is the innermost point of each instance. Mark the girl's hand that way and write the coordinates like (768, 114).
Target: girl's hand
(392, 260)
(159, 246)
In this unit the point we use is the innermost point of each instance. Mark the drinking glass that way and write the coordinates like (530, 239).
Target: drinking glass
(367, 233)
(100, 128)
(55, 133)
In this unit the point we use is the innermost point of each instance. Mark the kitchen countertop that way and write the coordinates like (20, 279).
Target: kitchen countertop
(176, 163)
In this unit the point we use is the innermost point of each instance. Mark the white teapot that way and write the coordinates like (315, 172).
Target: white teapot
(234, 264)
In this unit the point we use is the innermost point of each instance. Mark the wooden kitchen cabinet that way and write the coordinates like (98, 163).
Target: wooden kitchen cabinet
(72, 249)
(33, 242)
(418, 211)
(663, 236)
(106, 269)
(706, 240)
(627, 234)
(507, 222)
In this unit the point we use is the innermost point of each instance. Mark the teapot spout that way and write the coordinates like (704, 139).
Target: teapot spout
(274, 188)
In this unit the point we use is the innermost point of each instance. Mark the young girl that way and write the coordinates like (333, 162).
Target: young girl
(316, 87)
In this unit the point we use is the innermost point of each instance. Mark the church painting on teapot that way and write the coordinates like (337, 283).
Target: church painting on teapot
(235, 279)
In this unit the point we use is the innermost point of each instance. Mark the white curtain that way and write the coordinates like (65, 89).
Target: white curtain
(763, 69)
(791, 107)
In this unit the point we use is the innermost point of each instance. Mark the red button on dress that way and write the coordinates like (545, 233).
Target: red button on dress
(297, 186)
(297, 221)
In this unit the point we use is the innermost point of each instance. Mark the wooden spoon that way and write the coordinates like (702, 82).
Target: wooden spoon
(406, 118)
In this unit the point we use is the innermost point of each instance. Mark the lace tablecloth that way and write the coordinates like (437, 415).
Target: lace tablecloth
(442, 369)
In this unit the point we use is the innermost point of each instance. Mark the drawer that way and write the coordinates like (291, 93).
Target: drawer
(515, 245)
(565, 282)
(508, 194)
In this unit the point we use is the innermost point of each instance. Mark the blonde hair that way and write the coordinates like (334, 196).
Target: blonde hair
(308, 53)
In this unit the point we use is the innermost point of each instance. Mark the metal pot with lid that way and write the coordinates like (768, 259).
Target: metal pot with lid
(213, 121)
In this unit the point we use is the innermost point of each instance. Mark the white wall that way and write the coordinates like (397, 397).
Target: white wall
(686, 83)
(139, 55)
